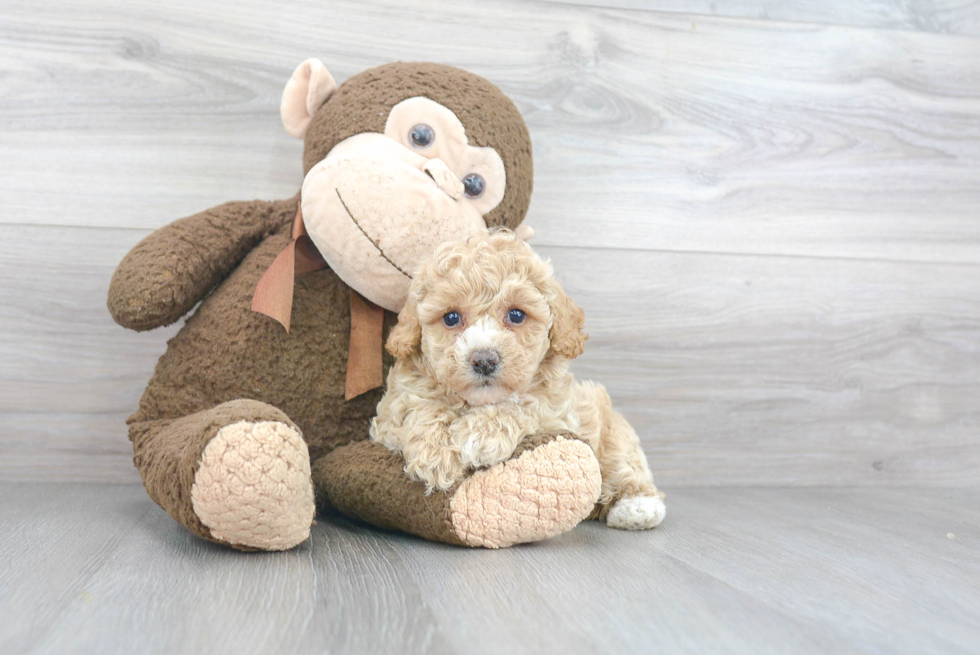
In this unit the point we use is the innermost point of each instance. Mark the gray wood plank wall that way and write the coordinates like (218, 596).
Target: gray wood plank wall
(770, 211)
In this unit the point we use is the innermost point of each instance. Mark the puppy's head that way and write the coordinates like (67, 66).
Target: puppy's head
(483, 315)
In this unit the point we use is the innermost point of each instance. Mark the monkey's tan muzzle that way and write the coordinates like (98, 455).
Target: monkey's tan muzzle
(375, 209)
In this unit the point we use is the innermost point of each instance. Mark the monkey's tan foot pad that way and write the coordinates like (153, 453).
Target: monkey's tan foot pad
(542, 492)
(253, 487)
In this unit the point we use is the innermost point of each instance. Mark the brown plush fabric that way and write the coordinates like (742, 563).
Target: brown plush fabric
(168, 452)
(361, 104)
(365, 481)
(171, 270)
(229, 363)
(535, 440)
(226, 351)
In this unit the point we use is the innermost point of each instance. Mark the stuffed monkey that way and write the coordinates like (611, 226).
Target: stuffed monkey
(258, 412)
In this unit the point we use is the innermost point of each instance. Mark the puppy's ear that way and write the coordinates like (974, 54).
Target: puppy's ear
(567, 337)
(405, 339)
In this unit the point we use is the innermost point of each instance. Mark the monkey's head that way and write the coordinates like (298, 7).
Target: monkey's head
(400, 159)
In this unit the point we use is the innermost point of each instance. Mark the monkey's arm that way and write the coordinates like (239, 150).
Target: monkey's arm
(169, 271)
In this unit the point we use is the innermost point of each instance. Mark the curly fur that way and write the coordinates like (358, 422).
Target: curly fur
(445, 418)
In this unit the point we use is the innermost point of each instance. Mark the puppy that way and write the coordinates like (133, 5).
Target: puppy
(483, 347)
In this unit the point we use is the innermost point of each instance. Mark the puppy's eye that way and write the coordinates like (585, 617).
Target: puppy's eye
(516, 316)
(473, 185)
(451, 319)
(422, 136)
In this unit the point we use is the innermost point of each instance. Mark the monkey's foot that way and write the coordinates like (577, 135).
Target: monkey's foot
(549, 486)
(253, 488)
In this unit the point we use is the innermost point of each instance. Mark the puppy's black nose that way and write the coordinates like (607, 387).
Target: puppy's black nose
(484, 362)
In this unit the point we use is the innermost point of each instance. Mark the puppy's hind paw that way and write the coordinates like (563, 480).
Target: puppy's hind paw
(636, 513)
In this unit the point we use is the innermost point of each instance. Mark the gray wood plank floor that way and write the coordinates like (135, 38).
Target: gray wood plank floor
(100, 569)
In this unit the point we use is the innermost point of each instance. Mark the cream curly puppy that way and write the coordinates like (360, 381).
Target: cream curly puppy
(483, 347)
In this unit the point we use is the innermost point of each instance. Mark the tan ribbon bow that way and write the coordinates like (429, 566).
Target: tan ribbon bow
(274, 298)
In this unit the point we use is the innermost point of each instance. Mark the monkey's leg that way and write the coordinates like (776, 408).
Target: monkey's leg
(237, 474)
(547, 487)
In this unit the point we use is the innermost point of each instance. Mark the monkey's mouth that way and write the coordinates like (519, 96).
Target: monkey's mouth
(377, 246)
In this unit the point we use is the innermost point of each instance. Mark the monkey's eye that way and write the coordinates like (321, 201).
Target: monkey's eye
(516, 316)
(451, 319)
(473, 184)
(422, 136)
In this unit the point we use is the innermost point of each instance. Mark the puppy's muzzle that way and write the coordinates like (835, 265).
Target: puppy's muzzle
(485, 362)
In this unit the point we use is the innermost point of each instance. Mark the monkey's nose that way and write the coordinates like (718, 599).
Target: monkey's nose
(485, 362)
(444, 178)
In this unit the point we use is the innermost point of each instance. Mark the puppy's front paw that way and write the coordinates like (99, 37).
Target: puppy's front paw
(437, 468)
(636, 513)
(479, 450)
(488, 435)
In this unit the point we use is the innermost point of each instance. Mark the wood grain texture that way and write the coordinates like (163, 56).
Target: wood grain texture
(738, 369)
(98, 568)
(768, 210)
(940, 16)
(772, 224)
(682, 132)
(734, 369)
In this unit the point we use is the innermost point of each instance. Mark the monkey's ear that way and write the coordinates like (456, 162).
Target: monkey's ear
(308, 88)
(524, 232)
(405, 339)
(567, 337)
